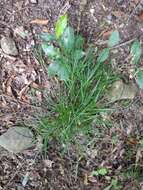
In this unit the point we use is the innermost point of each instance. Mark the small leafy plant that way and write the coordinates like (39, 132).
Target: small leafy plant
(84, 79)
(100, 172)
(136, 52)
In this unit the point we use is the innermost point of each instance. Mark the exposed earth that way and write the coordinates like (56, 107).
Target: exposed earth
(21, 75)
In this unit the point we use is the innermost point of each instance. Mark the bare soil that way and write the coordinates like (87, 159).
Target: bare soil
(95, 19)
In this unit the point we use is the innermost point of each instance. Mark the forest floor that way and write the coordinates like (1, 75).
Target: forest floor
(116, 148)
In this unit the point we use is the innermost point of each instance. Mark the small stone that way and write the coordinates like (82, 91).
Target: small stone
(8, 46)
(122, 91)
(17, 139)
(33, 1)
(120, 2)
(48, 163)
(19, 187)
(92, 10)
(141, 110)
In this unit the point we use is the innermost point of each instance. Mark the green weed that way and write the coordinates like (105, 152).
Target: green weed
(136, 53)
(133, 172)
(84, 79)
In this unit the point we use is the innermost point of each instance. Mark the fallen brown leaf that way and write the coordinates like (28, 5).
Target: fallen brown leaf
(36, 86)
(39, 21)
(140, 17)
(7, 85)
(132, 141)
(106, 34)
(24, 90)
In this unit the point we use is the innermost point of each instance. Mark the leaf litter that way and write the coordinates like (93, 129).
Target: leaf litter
(21, 74)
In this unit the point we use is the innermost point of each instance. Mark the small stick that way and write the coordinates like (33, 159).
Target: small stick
(117, 46)
(124, 43)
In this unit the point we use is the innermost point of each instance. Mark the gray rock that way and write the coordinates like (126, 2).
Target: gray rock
(19, 187)
(8, 46)
(120, 2)
(34, 1)
(17, 139)
(122, 91)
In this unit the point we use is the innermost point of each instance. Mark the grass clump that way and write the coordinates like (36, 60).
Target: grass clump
(84, 79)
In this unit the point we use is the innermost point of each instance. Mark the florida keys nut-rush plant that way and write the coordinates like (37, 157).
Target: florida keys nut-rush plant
(84, 78)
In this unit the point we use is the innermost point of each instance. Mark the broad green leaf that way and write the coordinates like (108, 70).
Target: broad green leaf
(139, 78)
(68, 38)
(49, 50)
(63, 73)
(79, 42)
(94, 173)
(141, 143)
(102, 171)
(61, 25)
(47, 37)
(78, 54)
(58, 69)
(136, 52)
(114, 182)
(114, 38)
(103, 56)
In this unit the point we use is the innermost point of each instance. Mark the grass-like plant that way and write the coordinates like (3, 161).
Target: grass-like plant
(84, 77)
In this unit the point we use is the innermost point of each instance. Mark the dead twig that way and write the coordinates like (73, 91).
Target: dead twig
(119, 45)
(123, 44)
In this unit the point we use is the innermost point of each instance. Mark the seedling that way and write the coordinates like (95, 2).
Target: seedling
(100, 172)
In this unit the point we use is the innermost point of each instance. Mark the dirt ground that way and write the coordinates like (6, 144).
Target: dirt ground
(95, 19)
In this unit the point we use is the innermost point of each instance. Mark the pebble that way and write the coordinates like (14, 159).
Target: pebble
(34, 1)
(120, 2)
(122, 91)
(8, 46)
(17, 139)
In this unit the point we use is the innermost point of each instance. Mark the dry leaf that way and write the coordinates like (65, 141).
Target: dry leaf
(133, 141)
(7, 85)
(138, 155)
(85, 179)
(107, 34)
(36, 86)
(39, 21)
(24, 90)
(140, 17)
